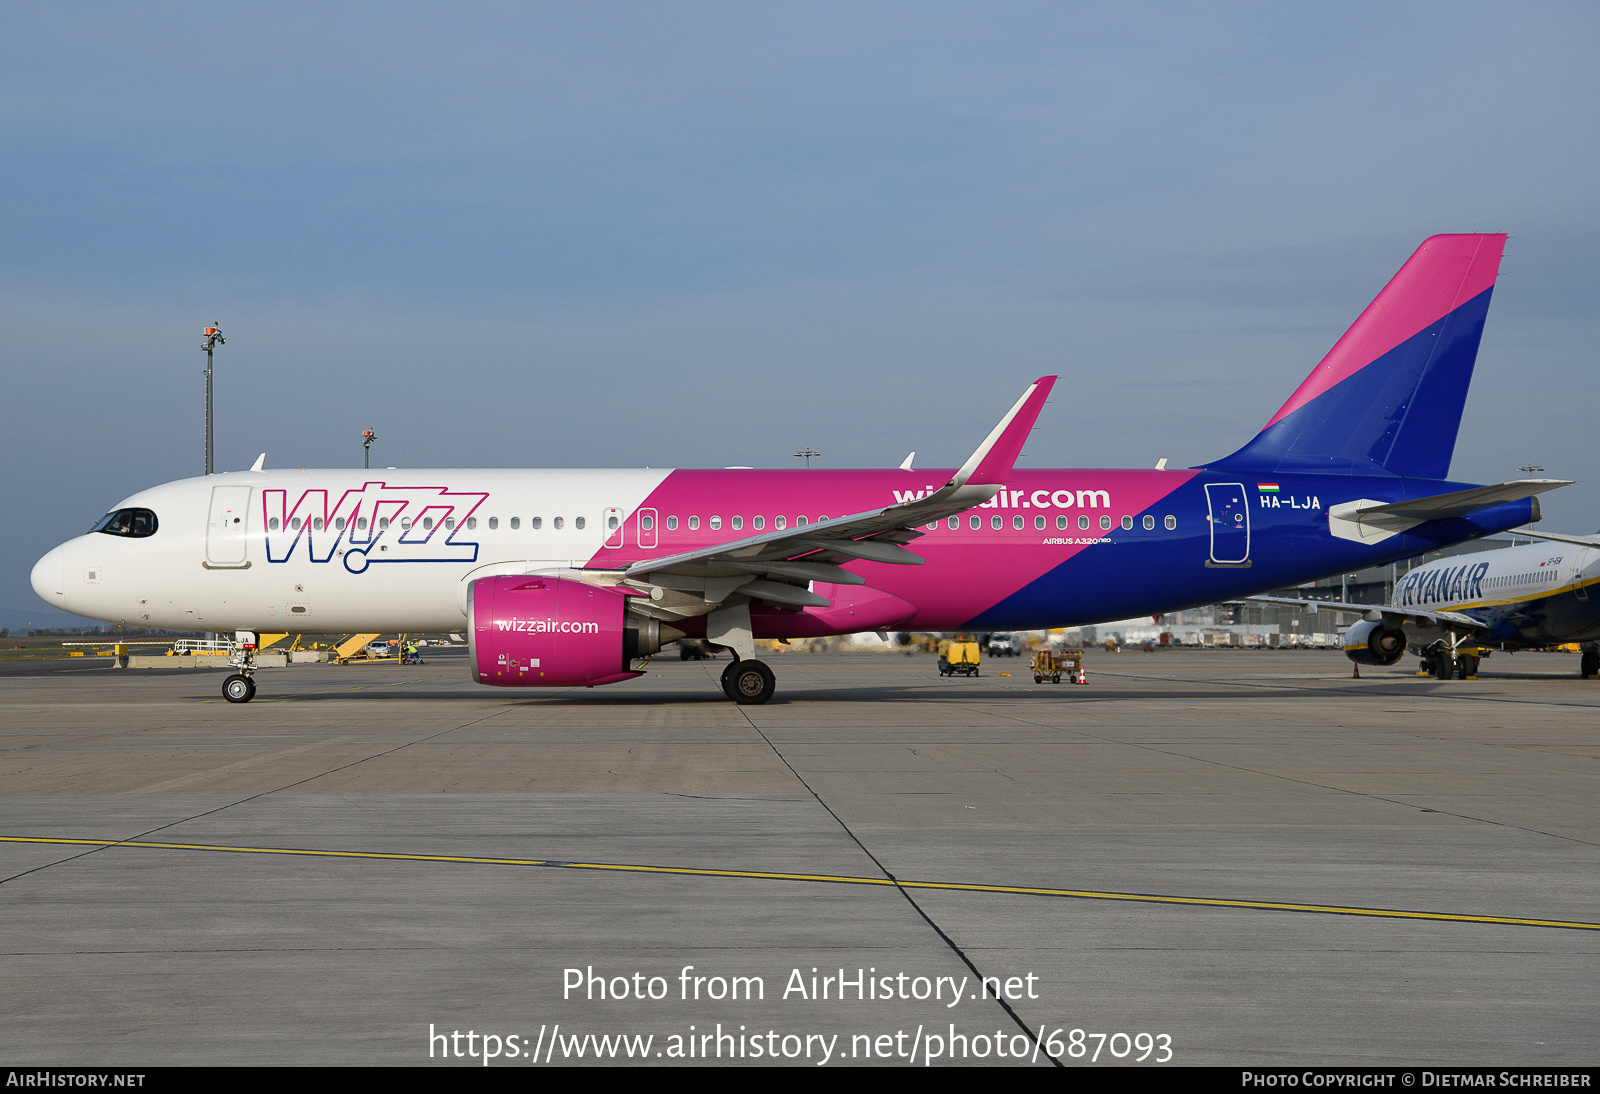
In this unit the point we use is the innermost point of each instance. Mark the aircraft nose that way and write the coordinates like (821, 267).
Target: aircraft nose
(49, 577)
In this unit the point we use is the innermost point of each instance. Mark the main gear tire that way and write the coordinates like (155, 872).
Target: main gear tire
(749, 683)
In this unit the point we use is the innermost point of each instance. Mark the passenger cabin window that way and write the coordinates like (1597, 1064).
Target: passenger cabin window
(1061, 523)
(559, 522)
(758, 523)
(716, 523)
(1083, 524)
(1105, 524)
(472, 522)
(536, 523)
(736, 522)
(577, 522)
(1171, 522)
(132, 523)
(1127, 523)
(694, 523)
(995, 523)
(975, 523)
(672, 524)
(954, 523)
(780, 523)
(1016, 522)
(1149, 522)
(516, 522)
(494, 522)
(1038, 523)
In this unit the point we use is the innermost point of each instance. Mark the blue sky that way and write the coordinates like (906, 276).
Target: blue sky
(706, 234)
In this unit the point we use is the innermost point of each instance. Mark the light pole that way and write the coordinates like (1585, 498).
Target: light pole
(213, 339)
(367, 437)
(806, 454)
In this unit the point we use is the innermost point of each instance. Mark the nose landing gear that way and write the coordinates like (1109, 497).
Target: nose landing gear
(238, 688)
(241, 687)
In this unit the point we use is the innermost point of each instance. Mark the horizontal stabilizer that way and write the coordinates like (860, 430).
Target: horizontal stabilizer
(1461, 502)
(1368, 521)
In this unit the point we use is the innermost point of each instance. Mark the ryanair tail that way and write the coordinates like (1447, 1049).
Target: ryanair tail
(1387, 399)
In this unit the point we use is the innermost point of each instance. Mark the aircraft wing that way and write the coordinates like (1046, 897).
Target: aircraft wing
(1580, 541)
(1384, 613)
(777, 566)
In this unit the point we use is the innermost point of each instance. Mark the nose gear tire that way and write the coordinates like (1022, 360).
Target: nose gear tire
(238, 689)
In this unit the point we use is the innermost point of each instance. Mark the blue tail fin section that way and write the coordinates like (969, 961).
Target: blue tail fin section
(1387, 399)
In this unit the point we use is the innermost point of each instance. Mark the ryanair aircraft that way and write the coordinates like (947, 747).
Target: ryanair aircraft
(1531, 596)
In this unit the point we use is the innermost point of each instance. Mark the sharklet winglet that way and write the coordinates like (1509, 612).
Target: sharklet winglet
(991, 464)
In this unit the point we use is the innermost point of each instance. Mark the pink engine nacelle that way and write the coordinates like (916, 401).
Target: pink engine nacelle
(528, 631)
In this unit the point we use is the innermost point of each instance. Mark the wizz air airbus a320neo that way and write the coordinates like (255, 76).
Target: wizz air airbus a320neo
(566, 578)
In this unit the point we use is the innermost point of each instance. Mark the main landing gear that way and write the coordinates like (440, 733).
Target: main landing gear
(1448, 662)
(748, 682)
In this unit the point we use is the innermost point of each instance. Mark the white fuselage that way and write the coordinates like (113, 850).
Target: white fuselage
(1544, 592)
(206, 567)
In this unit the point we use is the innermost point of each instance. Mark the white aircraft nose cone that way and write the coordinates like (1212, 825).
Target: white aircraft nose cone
(48, 577)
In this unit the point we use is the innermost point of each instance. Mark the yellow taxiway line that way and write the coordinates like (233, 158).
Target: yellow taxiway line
(834, 879)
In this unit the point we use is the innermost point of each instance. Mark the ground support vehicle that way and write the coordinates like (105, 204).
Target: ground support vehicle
(962, 660)
(1052, 665)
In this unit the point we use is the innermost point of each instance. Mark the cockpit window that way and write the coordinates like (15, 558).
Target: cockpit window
(133, 523)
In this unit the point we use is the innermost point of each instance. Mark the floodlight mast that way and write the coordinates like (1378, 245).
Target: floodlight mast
(367, 437)
(213, 339)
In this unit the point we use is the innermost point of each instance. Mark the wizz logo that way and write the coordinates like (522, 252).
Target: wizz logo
(377, 523)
